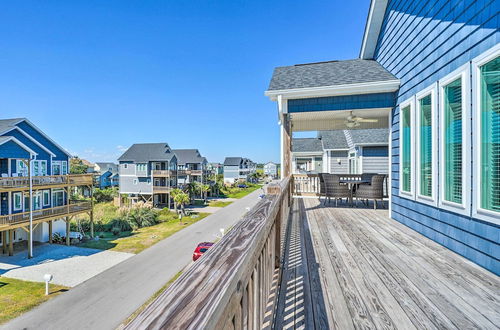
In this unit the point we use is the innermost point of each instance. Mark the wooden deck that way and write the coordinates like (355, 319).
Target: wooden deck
(351, 268)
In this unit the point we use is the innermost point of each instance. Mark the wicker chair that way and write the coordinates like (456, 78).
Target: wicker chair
(335, 189)
(373, 190)
(322, 188)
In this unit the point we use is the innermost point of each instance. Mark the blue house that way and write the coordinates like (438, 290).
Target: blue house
(429, 71)
(35, 184)
(106, 175)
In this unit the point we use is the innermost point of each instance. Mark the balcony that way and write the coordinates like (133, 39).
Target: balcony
(47, 181)
(163, 173)
(161, 189)
(22, 219)
(296, 263)
(189, 172)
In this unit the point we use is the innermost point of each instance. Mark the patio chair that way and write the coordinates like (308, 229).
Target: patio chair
(322, 189)
(335, 189)
(367, 176)
(373, 190)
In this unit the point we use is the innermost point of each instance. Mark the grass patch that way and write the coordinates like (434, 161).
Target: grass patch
(241, 192)
(150, 300)
(142, 238)
(18, 297)
(219, 204)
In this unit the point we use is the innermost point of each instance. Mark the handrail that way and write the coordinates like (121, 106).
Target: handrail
(16, 218)
(163, 172)
(232, 281)
(46, 180)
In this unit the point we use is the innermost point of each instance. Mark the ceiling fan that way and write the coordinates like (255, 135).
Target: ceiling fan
(355, 121)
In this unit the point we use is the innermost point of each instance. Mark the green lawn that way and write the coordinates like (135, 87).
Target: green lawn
(219, 203)
(142, 238)
(18, 297)
(241, 192)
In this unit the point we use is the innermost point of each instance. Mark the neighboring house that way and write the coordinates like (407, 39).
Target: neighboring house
(430, 73)
(148, 172)
(191, 166)
(271, 169)
(106, 175)
(28, 155)
(307, 155)
(238, 169)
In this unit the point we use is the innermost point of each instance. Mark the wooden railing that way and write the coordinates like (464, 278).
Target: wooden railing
(72, 208)
(46, 181)
(164, 189)
(163, 173)
(229, 286)
(189, 172)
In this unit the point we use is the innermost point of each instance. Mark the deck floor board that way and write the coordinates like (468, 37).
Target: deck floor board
(350, 268)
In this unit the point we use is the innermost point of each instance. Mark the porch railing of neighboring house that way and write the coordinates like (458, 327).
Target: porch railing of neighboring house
(229, 286)
(189, 172)
(161, 189)
(164, 173)
(65, 210)
(46, 181)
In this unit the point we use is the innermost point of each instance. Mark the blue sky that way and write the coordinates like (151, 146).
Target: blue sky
(98, 76)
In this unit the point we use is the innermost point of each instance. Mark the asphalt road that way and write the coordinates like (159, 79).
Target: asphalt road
(106, 300)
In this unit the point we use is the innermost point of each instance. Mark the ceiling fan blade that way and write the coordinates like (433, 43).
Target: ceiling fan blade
(361, 120)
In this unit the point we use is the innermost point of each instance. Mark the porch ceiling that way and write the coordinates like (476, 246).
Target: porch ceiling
(331, 120)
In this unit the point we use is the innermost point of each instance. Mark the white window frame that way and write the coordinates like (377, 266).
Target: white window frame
(42, 164)
(21, 164)
(46, 197)
(54, 192)
(57, 163)
(64, 167)
(463, 208)
(433, 91)
(477, 211)
(135, 181)
(411, 194)
(14, 208)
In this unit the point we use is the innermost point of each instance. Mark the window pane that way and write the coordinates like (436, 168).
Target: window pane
(406, 152)
(490, 135)
(426, 146)
(453, 141)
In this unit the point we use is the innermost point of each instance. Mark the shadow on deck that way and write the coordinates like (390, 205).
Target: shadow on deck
(348, 268)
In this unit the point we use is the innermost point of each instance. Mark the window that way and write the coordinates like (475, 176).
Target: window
(125, 165)
(36, 167)
(426, 146)
(57, 198)
(56, 168)
(406, 148)
(18, 201)
(64, 167)
(43, 167)
(135, 181)
(46, 197)
(142, 167)
(22, 168)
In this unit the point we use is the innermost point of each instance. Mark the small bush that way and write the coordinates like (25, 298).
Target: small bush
(122, 225)
(105, 195)
(167, 215)
(140, 216)
(116, 231)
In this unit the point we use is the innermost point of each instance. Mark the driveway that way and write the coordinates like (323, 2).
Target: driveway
(109, 298)
(69, 265)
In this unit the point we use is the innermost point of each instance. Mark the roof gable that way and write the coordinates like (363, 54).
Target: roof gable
(145, 152)
(307, 145)
(185, 156)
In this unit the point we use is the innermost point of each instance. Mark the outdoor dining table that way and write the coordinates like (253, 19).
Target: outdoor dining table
(351, 183)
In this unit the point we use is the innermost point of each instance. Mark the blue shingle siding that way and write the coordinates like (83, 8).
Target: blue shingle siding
(346, 102)
(375, 152)
(421, 42)
(60, 154)
(11, 149)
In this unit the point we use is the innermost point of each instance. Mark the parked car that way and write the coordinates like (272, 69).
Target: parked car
(242, 185)
(200, 249)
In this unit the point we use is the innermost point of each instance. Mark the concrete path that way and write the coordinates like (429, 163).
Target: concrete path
(106, 300)
(69, 265)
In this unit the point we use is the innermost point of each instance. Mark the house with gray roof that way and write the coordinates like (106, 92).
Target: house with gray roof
(238, 169)
(271, 169)
(191, 166)
(342, 151)
(148, 172)
(106, 175)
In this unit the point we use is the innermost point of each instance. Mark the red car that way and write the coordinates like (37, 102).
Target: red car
(200, 249)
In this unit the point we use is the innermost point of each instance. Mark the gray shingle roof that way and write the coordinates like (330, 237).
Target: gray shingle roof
(328, 74)
(104, 166)
(6, 124)
(233, 161)
(144, 152)
(334, 139)
(373, 135)
(188, 156)
(307, 145)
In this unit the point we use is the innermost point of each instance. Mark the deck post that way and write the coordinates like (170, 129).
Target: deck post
(4, 242)
(11, 242)
(30, 238)
(67, 232)
(91, 211)
(50, 232)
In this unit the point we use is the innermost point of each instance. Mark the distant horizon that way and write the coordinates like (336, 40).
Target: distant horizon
(97, 77)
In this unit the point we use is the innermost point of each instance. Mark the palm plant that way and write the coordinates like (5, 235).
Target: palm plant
(174, 193)
(204, 189)
(191, 189)
(182, 199)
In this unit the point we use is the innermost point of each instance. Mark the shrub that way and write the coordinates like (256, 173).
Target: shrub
(57, 238)
(116, 231)
(140, 216)
(105, 195)
(167, 215)
(121, 224)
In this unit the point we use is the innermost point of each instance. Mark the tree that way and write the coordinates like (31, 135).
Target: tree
(191, 189)
(204, 189)
(77, 166)
(174, 193)
(182, 199)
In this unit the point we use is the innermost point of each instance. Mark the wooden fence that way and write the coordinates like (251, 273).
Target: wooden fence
(229, 287)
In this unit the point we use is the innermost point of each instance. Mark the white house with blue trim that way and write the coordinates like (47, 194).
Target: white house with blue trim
(430, 72)
(35, 186)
